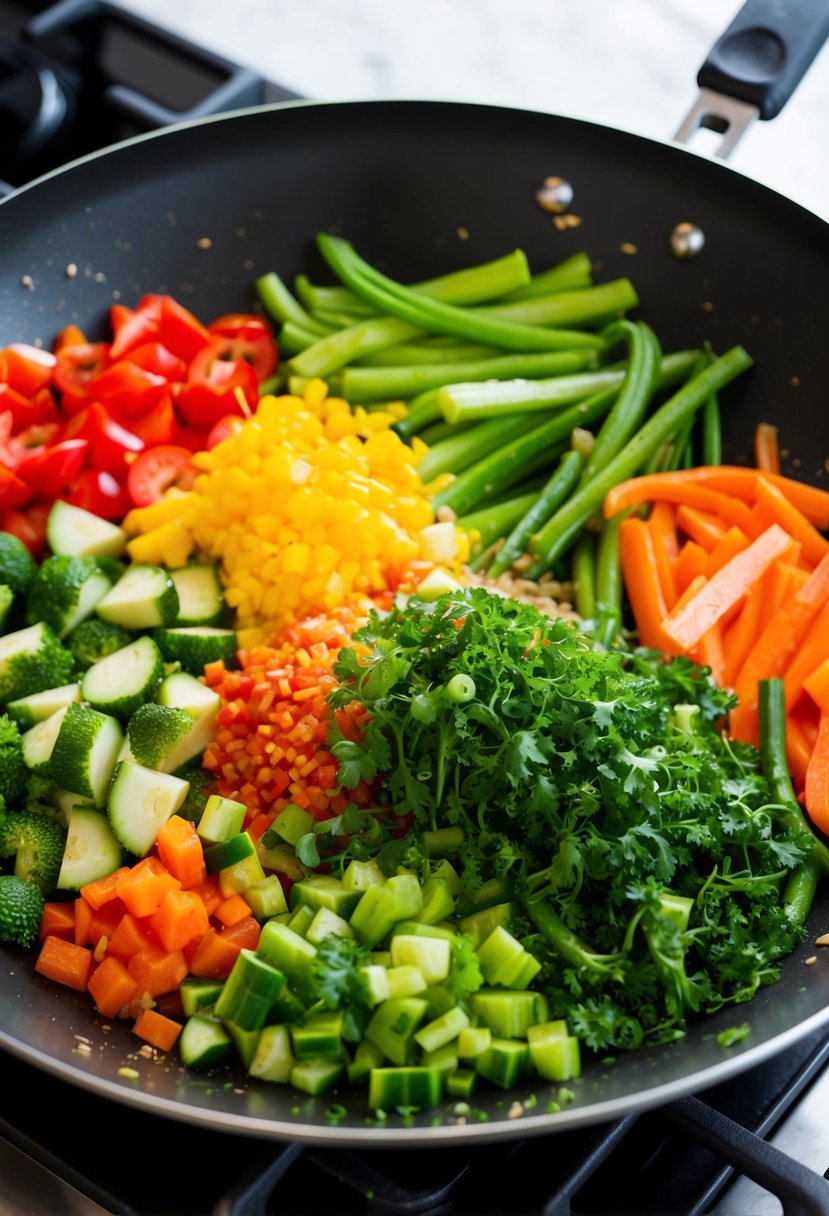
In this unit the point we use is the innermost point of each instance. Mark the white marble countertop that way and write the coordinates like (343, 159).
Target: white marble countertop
(630, 64)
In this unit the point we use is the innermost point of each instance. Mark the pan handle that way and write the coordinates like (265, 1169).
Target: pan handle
(754, 67)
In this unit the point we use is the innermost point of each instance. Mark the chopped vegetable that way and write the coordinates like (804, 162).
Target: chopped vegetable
(21, 907)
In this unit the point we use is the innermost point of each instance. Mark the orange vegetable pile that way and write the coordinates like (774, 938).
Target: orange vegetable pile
(730, 567)
(132, 937)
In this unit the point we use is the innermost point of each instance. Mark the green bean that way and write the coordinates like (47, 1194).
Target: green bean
(336, 320)
(434, 315)
(608, 583)
(330, 299)
(462, 402)
(567, 308)
(294, 338)
(481, 560)
(576, 271)
(635, 393)
(283, 307)
(680, 445)
(460, 451)
(438, 431)
(561, 482)
(496, 520)
(409, 354)
(560, 532)
(343, 346)
(524, 455)
(584, 575)
(423, 411)
(711, 431)
(374, 383)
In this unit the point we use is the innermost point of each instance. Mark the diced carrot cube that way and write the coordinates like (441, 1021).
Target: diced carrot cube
(232, 910)
(65, 963)
(157, 970)
(102, 890)
(131, 936)
(181, 917)
(112, 987)
(158, 1030)
(143, 888)
(58, 920)
(181, 851)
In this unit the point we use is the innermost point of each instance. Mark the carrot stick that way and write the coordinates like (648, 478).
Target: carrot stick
(766, 448)
(662, 527)
(778, 586)
(655, 487)
(729, 584)
(65, 963)
(730, 543)
(799, 746)
(817, 778)
(638, 561)
(690, 564)
(773, 651)
(710, 653)
(817, 686)
(779, 510)
(810, 654)
(728, 480)
(700, 526)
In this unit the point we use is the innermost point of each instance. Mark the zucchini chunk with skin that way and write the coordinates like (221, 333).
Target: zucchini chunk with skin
(140, 803)
(143, 598)
(121, 682)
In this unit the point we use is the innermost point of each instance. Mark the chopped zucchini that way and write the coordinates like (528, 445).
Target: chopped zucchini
(73, 532)
(91, 851)
(123, 681)
(200, 599)
(28, 711)
(143, 598)
(38, 743)
(32, 660)
(203, 1041)
(183, 691)
(140, 803)
(196, 646)
(85, 752)
(65, 591)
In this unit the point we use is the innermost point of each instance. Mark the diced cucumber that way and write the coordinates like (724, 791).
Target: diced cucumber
(301, 920)
(183, 691)
(479, 925)
(392, 1027)
(473, 1041)
(236, 879)
(376, 981)
(245, 1042)
(220, 819)
(65, 592)
(445, 870)
(555, 1054)
(432, 955)
(319, 1035)
(323, 891)
(292, 955)
(200, 598)
(366, 1057)
(196, 646)
(272, 1060)
(32, 660)
(315, 1076)
(414, 1086)
(461, 1083)
(360, 875)
(326, 924)
(292, 823)
(228, 852)
(502, 957)
(283, 859)
(37, 744)
(85, 753)
(438, 901)
(506, 1013)
(28, 711)
(198, 993)
(415, 928)
(286, 1009)
(442, 1030)
(91, 851)
(140, 803)
(381, 906)
(73, 532)
(249, 992)
(445, 1059)
(439, 999)
(405, 980)
(122, 681)
(266, 898)
(503, 1062)
(203, 1041)
(143, 598)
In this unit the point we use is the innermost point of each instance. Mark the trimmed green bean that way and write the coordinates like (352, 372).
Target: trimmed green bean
(376, 383)
(330, 299)
(438, 431)
(409, 354)
(573, 272)
(496, 520)
(560, 532)
(584, 575)
(423, 411)
(463, 402)
(644, 354)
(343, 346)
(294, 338)
(516, 460)
(560, 484)
(711, 431)
(460, 451)
(609, 584)
(567, 308)
(429, 314)
(283, 307)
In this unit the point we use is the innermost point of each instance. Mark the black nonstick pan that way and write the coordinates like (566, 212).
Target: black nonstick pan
(405, 181)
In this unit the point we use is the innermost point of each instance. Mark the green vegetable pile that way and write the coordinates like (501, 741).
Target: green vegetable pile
(646, 855)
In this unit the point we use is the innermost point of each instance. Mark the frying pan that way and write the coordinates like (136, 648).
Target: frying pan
(400, 180)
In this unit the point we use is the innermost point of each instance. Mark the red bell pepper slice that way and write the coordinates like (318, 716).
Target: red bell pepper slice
(156, 358)
(111, 445)
(14, 492)
(180, 331)
(48, 470)
(28, 525)
(248, 338)
(26, 411)
(158, 425)
(128, 389)
(76, 369)
(132, 329)
(157, 470)
(99, 493)
(28, 369)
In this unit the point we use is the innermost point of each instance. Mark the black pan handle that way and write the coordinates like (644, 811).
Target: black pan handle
(754, 67)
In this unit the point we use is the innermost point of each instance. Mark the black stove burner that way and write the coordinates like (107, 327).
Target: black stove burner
(84, 74)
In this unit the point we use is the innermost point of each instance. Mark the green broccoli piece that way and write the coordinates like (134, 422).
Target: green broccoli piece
(12, 767)
(202, 785)
(21, 908)
(64, 592)
(6, 602)
(154, 730)
(32, 660)
(17, 566)
(94, 640)
(36, 843)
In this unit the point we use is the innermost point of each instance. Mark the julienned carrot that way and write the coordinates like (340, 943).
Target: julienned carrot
(817, 778)
(181, 917)
(779, 583)
(799, 744)
(743, 632)
(65, 963)
(638, 561)
(730, 543)
(810, 654)
(156, 1029)
(112, 987)
(102, 890)
(662, 527)
(181, 851)
(779, 510)
(58, 920)
(766, 448)
(730, 480)
(773, 651)
(691, 563)
(688, 625)
(700, 526)
(817, 686)
(656, 487)
(710, 653)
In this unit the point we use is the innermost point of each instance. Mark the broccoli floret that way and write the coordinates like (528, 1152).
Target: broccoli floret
(36, 843)
(202, 785)
(94, 640)
(21, 907)
(32, 660)
(12, 767)
(65, 591)
(17, 566)
(154, 730)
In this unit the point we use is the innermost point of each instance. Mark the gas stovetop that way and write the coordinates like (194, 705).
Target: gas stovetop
(76, 77)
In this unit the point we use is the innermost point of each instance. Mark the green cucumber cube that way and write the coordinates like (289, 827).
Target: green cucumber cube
(203, 1041)
(292, 955)
(506, 1013)
(360, 875)
(293, 823)
(302, 919)
(414, 1086)
(319, 1035)
(326, 924)
(227, 852)
(272, 1060)
(500, 955)
(366, 1057)
(323, 891)
(461, 1083)
(480, 924)
(198, 994)
(439, 999)
(438, 901)
(442, 1030)
(473, 1041)
(376, 982)
(504, 1062)
(404, 981)
(447, 872)
(238, 878)
(315, 1076)
(249, 992)
(221, 819)
(245, 1042)
(393, 1025)
(445, 1059)
(432, 955)
(555, 1054)
(266, 898)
